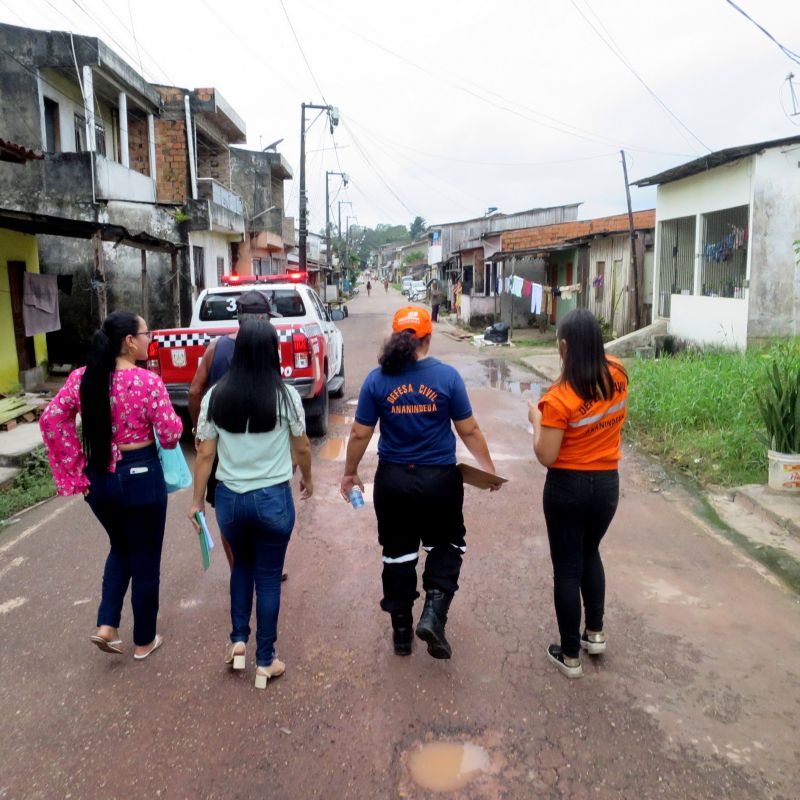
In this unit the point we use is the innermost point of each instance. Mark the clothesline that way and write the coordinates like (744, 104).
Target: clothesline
(539, 294)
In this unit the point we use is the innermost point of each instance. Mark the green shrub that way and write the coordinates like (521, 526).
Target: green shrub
(33, 484)
(699, 410)
(778, 399)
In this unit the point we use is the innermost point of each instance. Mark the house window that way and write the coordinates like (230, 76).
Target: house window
(199, 263)
(80, 136)
(676, 244)
(220, 269)
(723, 254)
(52, 132)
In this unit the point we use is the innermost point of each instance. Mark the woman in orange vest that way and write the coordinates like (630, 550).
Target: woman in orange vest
(577, 429)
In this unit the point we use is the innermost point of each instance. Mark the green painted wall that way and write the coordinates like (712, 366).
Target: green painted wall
(15, 247)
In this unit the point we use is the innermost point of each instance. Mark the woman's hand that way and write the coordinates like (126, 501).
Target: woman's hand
(534, 414)
(306, 488)
(201, 507)
(348, 482)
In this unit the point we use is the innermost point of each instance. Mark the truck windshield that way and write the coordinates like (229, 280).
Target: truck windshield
(221, 307)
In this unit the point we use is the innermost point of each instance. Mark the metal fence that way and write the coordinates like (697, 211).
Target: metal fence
(676, 260)
(723, 255)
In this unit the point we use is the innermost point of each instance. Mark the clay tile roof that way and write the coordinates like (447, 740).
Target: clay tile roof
(16, 153)
(545, 237)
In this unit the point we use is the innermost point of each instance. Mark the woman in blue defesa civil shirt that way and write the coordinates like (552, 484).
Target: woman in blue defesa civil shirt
(419, 491)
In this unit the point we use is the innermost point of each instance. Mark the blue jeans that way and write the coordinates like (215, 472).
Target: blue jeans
(578, 508)
(131, 504)
(257, 525)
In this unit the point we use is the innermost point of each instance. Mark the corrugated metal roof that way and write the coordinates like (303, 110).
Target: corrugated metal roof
(712, 160)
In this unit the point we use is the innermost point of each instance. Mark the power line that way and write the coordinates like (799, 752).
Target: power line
(782, 47)
(621, 57)
(302, 53)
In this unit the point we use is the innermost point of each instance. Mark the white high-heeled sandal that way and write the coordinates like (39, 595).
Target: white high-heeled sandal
(274, 670)
(236, 659)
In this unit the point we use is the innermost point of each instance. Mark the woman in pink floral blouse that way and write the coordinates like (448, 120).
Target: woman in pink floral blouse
(114, 464)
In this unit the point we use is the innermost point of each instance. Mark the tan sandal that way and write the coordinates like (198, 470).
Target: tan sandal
(157, 642)
(107, 645)
(236, 655)
(274, 670)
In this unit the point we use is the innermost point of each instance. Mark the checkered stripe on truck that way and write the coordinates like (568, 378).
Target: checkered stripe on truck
(183, 339)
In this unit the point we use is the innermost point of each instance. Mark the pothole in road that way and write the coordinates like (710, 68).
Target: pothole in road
(447, 766)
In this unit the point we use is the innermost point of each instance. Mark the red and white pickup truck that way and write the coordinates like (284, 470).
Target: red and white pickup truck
(311, 346)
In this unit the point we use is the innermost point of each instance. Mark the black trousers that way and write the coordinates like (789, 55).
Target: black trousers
(418, 503)
(578, 508)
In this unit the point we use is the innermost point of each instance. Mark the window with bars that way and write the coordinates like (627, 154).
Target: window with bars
(81, 145)
(676, 260)
(199, 261)
(220, 269)
(723, 254)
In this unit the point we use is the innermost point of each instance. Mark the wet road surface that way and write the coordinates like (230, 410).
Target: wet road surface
(697, 697)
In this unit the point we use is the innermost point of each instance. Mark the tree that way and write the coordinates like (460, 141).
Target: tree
(418, 228)
(413, 257)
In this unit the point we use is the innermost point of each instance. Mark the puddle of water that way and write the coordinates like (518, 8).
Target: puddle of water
(499, 374)
(339, 419)
(353, 402)
(333, 449)
(447, 766)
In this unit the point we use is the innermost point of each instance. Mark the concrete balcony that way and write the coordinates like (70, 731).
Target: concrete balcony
(209, 189)
(115, 182)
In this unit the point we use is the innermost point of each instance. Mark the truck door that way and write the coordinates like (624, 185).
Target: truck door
(333, 345)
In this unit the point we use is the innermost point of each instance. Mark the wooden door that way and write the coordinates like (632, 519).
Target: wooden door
(24, 344)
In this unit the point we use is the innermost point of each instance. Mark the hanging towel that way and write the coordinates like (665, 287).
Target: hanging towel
(536, 298)
(516, 286)
(526, 288)
(40, 303)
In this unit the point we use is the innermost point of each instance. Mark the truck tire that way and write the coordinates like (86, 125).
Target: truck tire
(317, 414)
(340, 374)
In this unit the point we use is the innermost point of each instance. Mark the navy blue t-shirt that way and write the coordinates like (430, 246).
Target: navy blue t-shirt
(415, 409)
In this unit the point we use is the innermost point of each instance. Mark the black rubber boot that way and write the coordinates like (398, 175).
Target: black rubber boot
(431, 624)
(402, 633)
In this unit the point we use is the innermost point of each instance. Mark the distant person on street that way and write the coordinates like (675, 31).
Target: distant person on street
(256, 424)
(437, 298)
(116, 467)
(577, 429)
(419, 491)
(386, 285)
(214, 364)
(369, 288)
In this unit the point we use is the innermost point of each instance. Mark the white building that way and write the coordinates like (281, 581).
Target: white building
(726, 223)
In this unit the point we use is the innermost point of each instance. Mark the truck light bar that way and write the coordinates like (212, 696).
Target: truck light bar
(241, 280)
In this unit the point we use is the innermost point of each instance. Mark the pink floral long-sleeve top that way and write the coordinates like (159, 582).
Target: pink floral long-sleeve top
(140, 407)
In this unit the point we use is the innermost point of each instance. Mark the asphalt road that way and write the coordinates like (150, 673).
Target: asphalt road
(698, 695)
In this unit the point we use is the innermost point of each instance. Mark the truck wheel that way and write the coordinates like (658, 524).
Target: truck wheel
(317, 414)
(340, 374)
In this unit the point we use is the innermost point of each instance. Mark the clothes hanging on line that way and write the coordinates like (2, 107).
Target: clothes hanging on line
(40, 303)
(536, 298)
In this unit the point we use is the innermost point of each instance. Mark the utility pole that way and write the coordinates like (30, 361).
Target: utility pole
(343, 176)
(333, 117)
(634, 258)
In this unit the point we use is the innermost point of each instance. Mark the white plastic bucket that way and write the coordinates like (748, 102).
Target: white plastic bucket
(784, 471)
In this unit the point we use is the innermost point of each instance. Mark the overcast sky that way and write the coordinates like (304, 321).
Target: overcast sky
(453, 106)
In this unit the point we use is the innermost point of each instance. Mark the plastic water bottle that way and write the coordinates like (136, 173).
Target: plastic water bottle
(356, 498)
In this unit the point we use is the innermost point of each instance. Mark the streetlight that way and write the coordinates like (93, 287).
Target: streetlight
(333, 119)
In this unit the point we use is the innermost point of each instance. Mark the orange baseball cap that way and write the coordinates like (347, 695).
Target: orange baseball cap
(413, 318)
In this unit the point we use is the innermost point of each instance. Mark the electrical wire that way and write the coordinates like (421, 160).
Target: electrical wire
(622, 58)
(303, 54)
(791, 54)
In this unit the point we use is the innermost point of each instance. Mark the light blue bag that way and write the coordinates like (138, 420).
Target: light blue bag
(176, 471)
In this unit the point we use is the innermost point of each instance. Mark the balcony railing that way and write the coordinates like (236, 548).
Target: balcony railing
(210, 189)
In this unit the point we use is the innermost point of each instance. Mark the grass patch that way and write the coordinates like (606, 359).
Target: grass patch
(698, 411)
(33, 484)
(549, 343)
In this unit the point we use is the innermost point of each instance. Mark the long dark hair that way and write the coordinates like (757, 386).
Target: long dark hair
(586, 367)
(399, 351)
(95, 390)
(247, 398)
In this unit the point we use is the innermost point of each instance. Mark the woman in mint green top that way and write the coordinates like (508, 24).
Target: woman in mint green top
(255, 424)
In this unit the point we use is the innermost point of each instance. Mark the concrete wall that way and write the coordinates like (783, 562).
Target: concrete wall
(774, 293)
(15, 247)
(214, 246)
(710, 321)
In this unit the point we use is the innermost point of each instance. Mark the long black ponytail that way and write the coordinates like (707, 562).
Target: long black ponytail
(95, 388)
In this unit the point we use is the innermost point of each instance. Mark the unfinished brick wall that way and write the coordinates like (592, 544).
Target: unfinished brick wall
(214, 163)
(138, 148)
(172, 161)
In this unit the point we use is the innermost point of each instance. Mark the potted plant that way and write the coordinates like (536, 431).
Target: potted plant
(778, 402)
